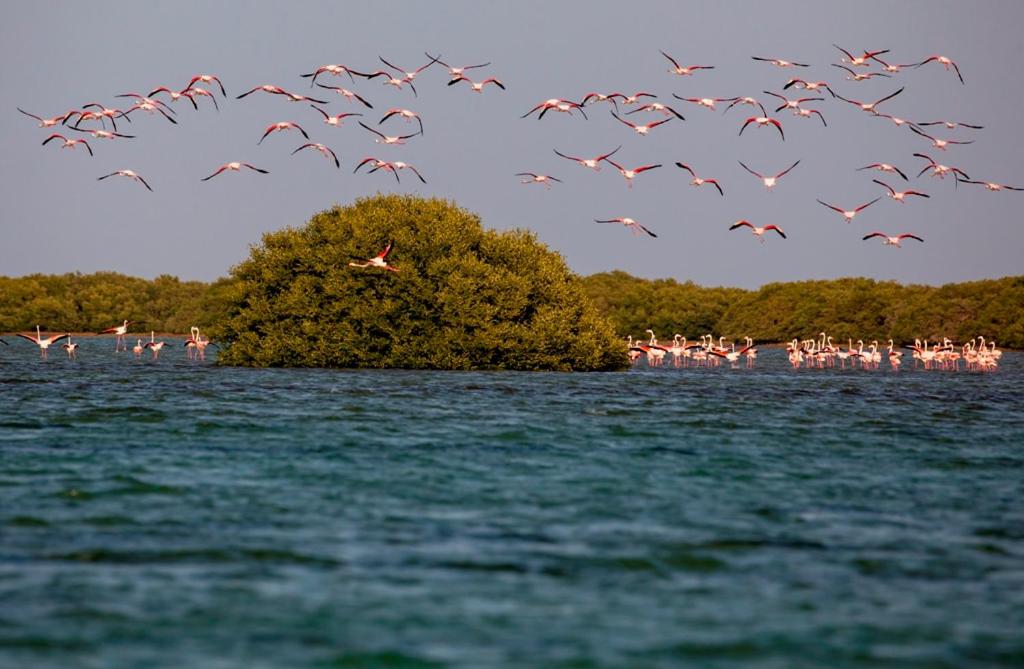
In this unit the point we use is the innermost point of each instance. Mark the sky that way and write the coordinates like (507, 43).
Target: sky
(56, 217)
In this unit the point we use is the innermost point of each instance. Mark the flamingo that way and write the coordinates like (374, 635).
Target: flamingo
(952, 125)
(634, 98)
(265, 88)
(104, 112)
(892, 241)
(658, 107)
(848, 214)
(869, 106)
(629, 175)
(47, 122)
(70, 348)
(234, 167)
(698, 181)
(641, 129)
(455, 71)
(791, 104)
(990, 186)
(120, 331)
(336, 70)
(758, 232)
(348, 95)
(705, 102)
(884, 167)
(899, 195)
(684, 71)
(807, 113)
(477, 86)
(895, 357)
(592, 163)
(68, 143)
(939, 144)
(407, 114)
(44, 343)
(778, 62)
(103, 134)
(377, 260)
(138, 349)
(860, 76)
(807, 85)
(326, 151)
(337, 120)
(601, 97)
(762, 121)
(408, 76)
(126, 173)
(532, 178)
(201, 92)
(190, 343)
(558, 105)
(859, 61)
(174, 95)
(379, 164)
(154, 345)
(385, 139)
(769, 182)
(207, 79)
(939, 170)
(149, 105)
(282, 125)
(891, 68)
(634, 227)
(745, 101)
(946, 62)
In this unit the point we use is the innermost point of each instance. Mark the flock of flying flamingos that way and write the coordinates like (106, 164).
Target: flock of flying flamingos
(856, 68)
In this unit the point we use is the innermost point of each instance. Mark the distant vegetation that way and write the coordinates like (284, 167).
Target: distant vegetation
(470, 295)
(777, 312)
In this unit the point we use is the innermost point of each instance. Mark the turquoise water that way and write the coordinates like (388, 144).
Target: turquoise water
(181, 515)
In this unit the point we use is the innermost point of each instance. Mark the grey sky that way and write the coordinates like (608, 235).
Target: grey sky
(56, 217)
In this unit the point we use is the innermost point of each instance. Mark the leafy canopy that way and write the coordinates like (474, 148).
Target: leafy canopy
(463, 298)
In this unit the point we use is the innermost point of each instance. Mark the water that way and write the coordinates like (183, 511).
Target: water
(181, 515)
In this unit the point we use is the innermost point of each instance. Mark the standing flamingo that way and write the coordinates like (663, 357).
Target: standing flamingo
(120, 331)
(44, 343)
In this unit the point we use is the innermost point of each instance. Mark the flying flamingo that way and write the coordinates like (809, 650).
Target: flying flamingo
(201, 92)
(104, 112)
(939, 170)
(532, 178)
(337, 120)
(377, 260)
(893, 241)
(120, 331)
(806, 85)
(347, 94)
(746, 101)
(990, 186)
(769, 182)
(455, 71)
(899, 195)
(633, 226)
(684, 71)
(477, 86)
(126, 173)
(326, 151)
(629, 175)
(592, 163)
(103, 134)
(869, 106)
(884, 167)
(807, 113)
(758, 232)
(149, 105)
(207, 79)
(391, 80)
(174, 95)
(658, 107)
(641, 129)
(379, 164)
(154, 345)
(762, 121)
(44, 343)
(72, 349)
(778, 62)
(407, 114)
(848, 214)
(385, 139)
(68, 143)
(409, 76)
(860, 76)
(336, 70)
(234, 167)
(952, 125)
(946, 62)
(891, 68)
(939, 144)
(47, 122)
(282, 125)
(791, 104)
(698, 181)
(266, 88)
(602, 97)
(556, 104)
(897, 121)
(705, 102)
(859, 61)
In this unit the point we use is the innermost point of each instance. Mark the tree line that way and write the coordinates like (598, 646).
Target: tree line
(777, 312)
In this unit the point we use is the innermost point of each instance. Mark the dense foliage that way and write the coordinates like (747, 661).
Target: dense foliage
(463, 298)
(92, 302)
(777, 312)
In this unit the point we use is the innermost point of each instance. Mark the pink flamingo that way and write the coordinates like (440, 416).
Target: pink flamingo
(848, 214)
(377, 260)
(633, 226)
(770, 181)
(234, 167)
(592, 163)
(44, 343)
(758, 232)
(698, 181)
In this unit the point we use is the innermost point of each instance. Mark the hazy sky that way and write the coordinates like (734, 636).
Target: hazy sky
(56, 217)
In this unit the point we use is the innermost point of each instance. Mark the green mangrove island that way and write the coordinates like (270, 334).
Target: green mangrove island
(464, 297)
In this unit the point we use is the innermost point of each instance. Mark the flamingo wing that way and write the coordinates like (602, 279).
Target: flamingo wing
(907, 235)
(739, 224)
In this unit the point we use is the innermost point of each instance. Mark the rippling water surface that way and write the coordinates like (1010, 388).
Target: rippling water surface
(177, 514)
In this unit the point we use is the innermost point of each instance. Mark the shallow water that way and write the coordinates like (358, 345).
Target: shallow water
(176, 514)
